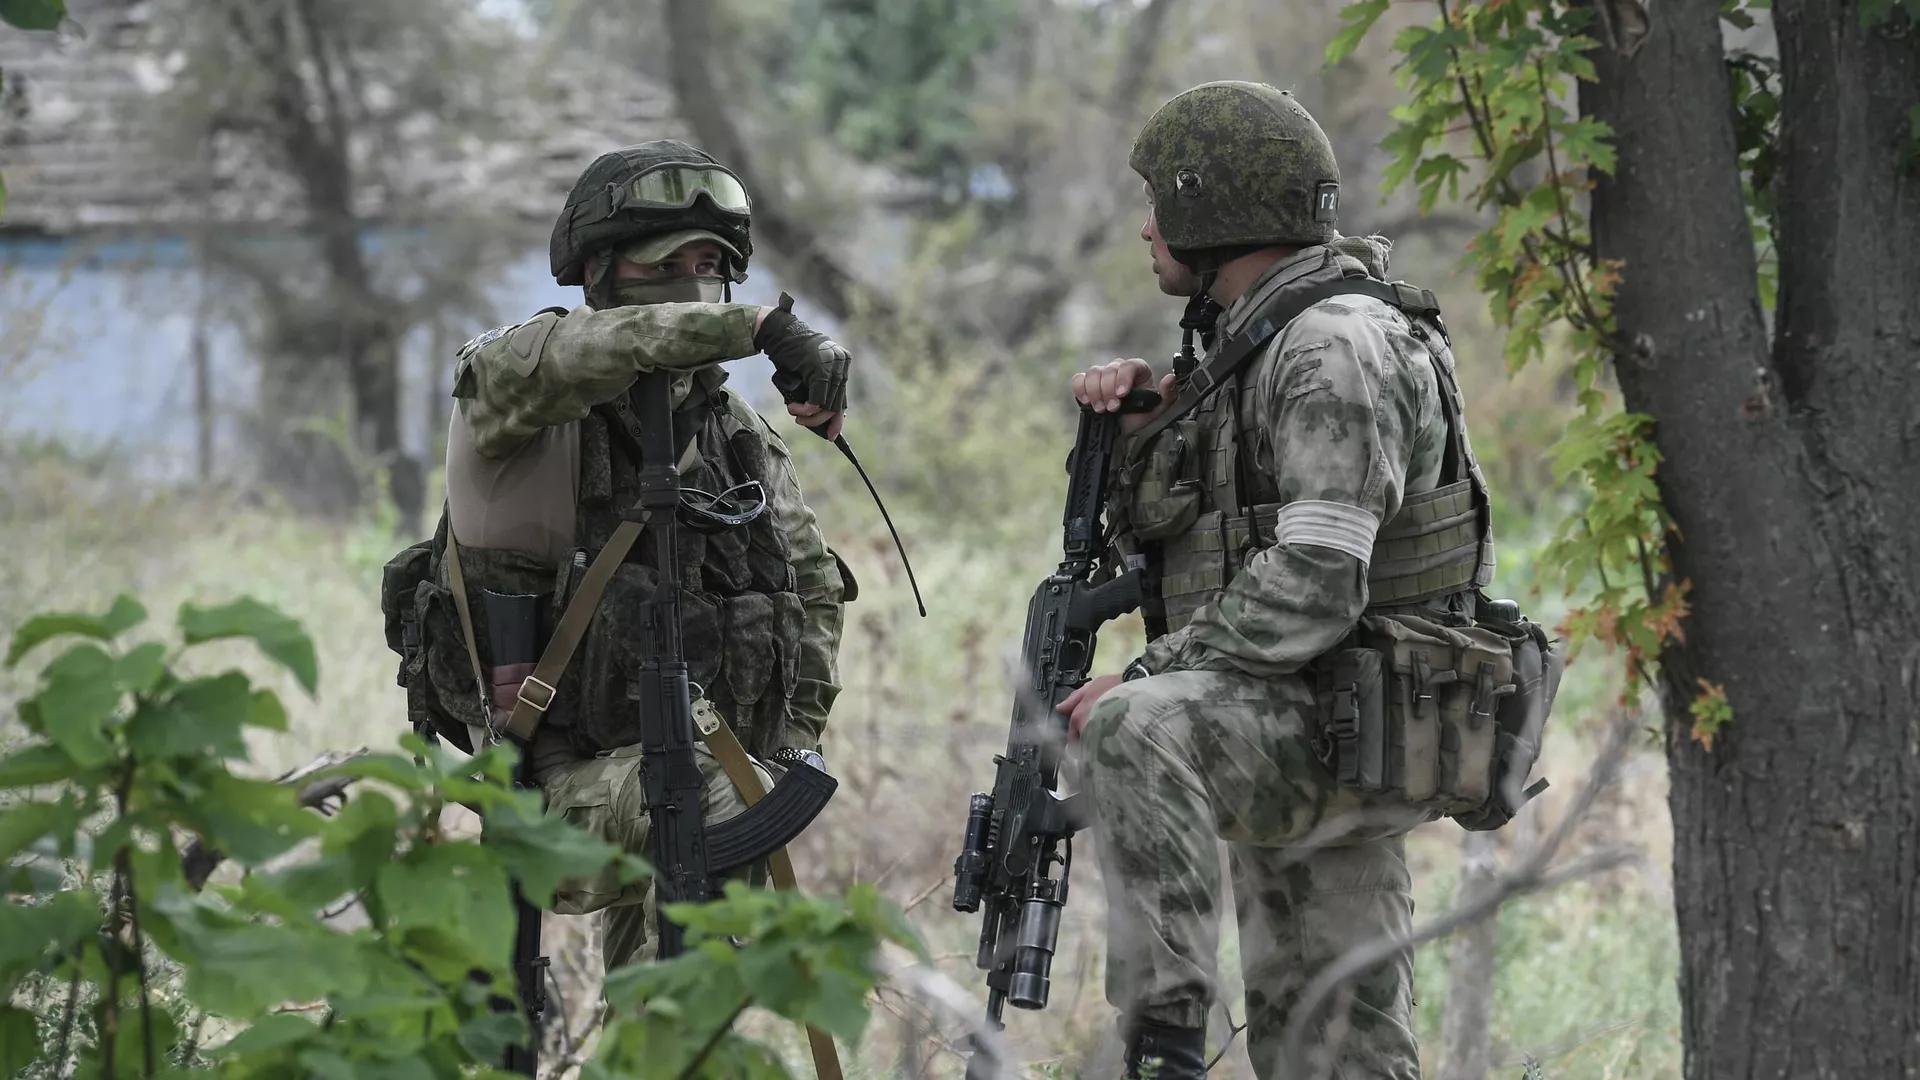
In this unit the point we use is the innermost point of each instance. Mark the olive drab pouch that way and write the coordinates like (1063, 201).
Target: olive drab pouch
(1522, 716)
(398, 580)
(1166, 488)
(419, 618)
(1353, 743)
(1429, 732)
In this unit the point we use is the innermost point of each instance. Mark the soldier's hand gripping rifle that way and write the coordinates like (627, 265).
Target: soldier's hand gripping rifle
(689, 857)
(1018, 844)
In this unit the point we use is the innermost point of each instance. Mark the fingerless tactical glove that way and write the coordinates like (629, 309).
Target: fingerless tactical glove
(809, 367)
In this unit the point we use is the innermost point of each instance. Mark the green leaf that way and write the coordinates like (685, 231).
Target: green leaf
(19, 1040)
(33, 14)
(458, 891)
(267, 712)
(1359, 18)
(29, 931)
(124, 615)
(77, 702)
(250, 820)
(488, 1035)
(275, 1032)
(37, 764)
(386, 768)
(22, 824)
(203, 716)
(236, 968)
(139, 670)
(277, 635)
(541, 850)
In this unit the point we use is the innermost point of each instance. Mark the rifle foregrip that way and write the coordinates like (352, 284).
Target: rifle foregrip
(772, 823)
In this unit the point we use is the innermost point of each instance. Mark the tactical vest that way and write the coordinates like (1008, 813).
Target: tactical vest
(1198, 501)
(741, 611)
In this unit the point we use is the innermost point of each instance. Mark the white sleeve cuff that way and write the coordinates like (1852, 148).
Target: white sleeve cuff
(1328, 524)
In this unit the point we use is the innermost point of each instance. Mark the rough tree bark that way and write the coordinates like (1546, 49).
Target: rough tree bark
(1790, 470)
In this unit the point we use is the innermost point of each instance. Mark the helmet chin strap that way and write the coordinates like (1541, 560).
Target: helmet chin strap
(596, 290)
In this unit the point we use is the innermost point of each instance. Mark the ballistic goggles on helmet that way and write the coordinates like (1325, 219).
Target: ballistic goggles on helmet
(675, 186)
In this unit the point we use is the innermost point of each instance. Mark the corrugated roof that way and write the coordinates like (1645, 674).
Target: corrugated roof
(80, 153)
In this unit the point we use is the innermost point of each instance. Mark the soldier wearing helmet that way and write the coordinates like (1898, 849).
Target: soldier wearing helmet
(542, 464)
(1306, 488)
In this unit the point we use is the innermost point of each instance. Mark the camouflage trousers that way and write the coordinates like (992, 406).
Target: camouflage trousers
(603, 795)
(1175, 760)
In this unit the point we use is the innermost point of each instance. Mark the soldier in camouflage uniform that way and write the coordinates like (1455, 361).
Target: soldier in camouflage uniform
(1258, 515)
(542, 459)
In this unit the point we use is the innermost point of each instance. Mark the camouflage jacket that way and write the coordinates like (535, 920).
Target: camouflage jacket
(521, 392)
(1335, 423)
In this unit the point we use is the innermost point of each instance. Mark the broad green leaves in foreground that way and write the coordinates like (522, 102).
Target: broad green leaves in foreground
(103, 931)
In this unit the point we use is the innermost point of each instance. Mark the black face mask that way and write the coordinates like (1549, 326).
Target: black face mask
(678, 290)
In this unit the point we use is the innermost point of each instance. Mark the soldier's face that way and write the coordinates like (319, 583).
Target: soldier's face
(1175, 278)
(696, 258)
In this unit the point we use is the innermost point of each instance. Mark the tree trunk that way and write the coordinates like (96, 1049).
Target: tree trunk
(1466, 1024)
(1790, 474)
(199, 353)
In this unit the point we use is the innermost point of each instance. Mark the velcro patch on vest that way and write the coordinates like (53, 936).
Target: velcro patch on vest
(480, 340)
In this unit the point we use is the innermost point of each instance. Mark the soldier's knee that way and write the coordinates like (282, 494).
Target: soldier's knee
(1129, 722)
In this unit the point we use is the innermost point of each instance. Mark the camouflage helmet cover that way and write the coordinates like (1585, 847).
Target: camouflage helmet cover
(1237, 165)
(592, 220)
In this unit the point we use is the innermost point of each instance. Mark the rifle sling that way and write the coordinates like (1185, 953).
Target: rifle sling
(739, 769)
(1234, 353)
(524, 720)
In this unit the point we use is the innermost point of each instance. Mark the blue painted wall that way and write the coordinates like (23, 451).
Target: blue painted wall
(95, 347)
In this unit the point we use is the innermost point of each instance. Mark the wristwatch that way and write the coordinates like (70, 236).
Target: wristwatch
(789, 756)
(1135, 670)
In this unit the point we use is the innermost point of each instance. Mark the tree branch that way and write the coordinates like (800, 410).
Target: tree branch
(812, 267)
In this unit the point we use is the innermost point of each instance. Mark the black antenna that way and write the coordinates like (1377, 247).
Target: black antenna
(841, 442)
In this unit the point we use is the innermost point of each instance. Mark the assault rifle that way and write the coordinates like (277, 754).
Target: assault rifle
(1015, 836)
(689, 858)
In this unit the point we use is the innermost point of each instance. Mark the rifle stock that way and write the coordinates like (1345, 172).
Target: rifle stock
(1017, 846)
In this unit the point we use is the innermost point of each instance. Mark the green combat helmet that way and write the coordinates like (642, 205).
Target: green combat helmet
(1237, 166)
(664, 188)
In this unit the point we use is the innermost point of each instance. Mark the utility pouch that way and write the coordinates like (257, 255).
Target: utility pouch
(516, 634)
(1443, 688)
(1165, 499)
(1522, 716)
(398, 580)
(1353, 744)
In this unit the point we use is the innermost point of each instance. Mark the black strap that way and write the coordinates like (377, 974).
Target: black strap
(1234, 353)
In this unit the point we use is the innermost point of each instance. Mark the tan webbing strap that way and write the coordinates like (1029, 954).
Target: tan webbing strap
(572, 630)
(739, 769)
(567, 636)
(458, 581)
